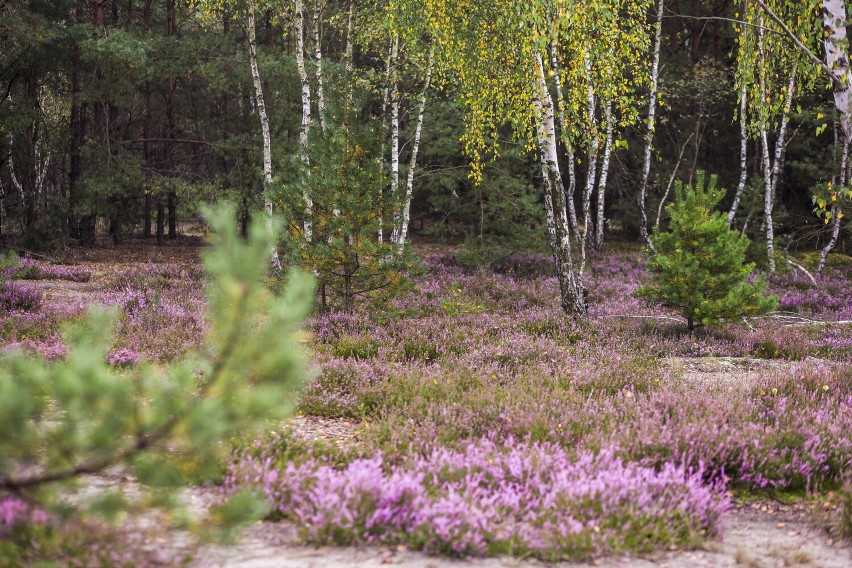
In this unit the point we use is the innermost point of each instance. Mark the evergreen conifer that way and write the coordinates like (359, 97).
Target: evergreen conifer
(699, 266)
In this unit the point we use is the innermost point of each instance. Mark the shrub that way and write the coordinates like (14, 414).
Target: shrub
(17, 298)
(527, 499)
(699, 266)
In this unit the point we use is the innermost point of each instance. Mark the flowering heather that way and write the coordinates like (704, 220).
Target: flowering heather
(31, 269)
(14, 512)
(162, 311)
(481, 366)
(527, 499)
(18, 298)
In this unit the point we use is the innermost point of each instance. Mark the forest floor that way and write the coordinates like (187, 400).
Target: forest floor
(757, 532)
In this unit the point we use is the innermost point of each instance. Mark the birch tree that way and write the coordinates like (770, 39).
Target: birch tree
(771, 70)
(401, 227)
(651, 123)
(264, 119)
(494, 71)
(835, 20)
(304, 130)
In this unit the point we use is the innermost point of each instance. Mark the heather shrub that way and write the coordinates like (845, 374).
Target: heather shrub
(357, 347)
(777, 348)
(419, 350)
(342, 388)
(17, 298)
(31, 269)
(520, 498)
(29, 326)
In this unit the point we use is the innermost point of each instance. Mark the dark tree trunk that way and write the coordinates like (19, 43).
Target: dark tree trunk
(146, 134)
(161, 222)
(171, 31)
(77, 127)
(172, 215)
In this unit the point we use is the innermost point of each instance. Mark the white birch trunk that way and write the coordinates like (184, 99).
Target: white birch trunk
(651, 124)
(402, 234)
(601, 222)
(743, 157)
(772, 168)
(347, 52)
(556, 68)
(766, 164)
(304, 131)
(837, 59)
(593, 160)
(571, 289)
(318, 63)
(385, 102)
(394, 104)
(264, 122)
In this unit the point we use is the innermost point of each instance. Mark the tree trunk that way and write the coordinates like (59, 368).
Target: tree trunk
(385, 101)
(171, 31)
(835, 212)
(572, 293)
(651, 124)
(264, 123)
(771, 169)
(304, 131)
(161, 221)
(835, 20)
(77, 128)
(743, 157)
(318, 63)
(402, 227)
(601, 221)
(592, 158)
(394, 105)
(556, 68)
(146, 134)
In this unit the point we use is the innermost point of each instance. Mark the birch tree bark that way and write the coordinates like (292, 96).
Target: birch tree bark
(835, 20)
(394, 106)
(304, 131)
(743, 156)
(601, 221)
(771, 168)
(556, 68)
(318, 63)
(651, 123)
(405, 216)
(385, 102)
(264, 121)
(572, 292)
(592, 158)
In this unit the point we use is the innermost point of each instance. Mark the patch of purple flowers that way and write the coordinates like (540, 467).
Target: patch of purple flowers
(31, 269)
(18, 298)
(524, 498)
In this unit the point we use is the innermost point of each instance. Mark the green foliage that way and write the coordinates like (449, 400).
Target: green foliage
(344, 182)
(78, 415)
(830, 200)
(699, 266)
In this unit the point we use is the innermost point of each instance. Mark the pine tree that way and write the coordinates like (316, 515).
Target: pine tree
(345, 185)
(699, 268)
